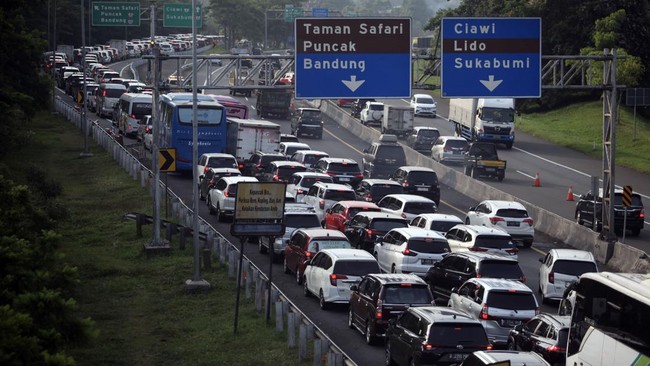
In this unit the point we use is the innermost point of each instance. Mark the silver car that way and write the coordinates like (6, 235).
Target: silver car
(449, 149)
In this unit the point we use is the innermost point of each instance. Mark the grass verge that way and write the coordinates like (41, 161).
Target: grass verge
(142, 313)
(580, 127)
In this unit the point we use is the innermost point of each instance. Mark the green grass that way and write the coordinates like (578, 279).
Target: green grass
(140, 308)
(580, 127)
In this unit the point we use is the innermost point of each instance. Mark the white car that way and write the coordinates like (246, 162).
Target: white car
(372, 112)
(407, 205)
(449, 149)
(289, 148)
(147, 140)
(562, 267)
(309, 158)
(221, 198)
(323, 195)
(410, 250)
(299, 183)
(438, 222)
(481, 239)
(214, 160)
(424, 105)
(331, 272)
(509, 216)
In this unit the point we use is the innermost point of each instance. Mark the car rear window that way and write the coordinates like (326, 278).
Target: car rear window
(493, 241)
(419, 207)
(287, 171)
(301, 221)
(356, 267)
(344, 168)
(308, 182)
(311, 114)
(429, 133)
(500, 269)
(114, 93)
(423, 177)
(457, 144)
(266, 159)
(454, 334)
(574, 268)
(429, 245)
(407, 294)
(376, 107)
(636, 200)
(355, 210)
(390, 152)
(141, 109)
(222, 162)
(318, 244)
(512, 212)
(387, 225)
(381, 190)
(313, 158)
(336, 195)
(511, 300)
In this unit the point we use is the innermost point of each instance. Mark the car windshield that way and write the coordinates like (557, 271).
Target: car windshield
(574, 268)
(442, 226)
(344, 168)
(301, 221)
(498, 114)
(493, 241)
(387, 225)
(512, 212)
(356, 267)
(224, 162)
(423, 177)
(453, 334)
(511, 300)
(500, 269)
(381, 190)
(424, 100)
(322, 243)
(311, 114)
(407, 294)
(376, 107)
(419, 207)
(429, 245)
(336, 195)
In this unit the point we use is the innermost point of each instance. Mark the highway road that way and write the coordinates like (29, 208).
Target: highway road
(341, 143)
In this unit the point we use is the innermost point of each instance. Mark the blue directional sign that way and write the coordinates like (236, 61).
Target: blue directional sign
(320, 12)
(353, 58)
(491, 57)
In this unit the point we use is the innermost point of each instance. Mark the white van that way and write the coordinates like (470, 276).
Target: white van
(133, 107)
(107, 96)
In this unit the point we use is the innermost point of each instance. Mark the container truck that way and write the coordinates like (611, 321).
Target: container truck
(484, 119)
(398, 120)
(120, 46)
(246, 136)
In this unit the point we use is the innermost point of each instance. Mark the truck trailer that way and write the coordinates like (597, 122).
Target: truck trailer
(247, 136)
(398, 120)
(484, 119)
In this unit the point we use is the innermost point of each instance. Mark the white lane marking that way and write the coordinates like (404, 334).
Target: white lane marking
(524, 174)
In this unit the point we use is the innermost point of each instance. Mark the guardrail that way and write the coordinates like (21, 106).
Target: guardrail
(624, 259)
(287, 315)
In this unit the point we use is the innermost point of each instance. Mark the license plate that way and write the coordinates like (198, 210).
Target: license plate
(422, 189)
(510, 322)
(344, 179)
(489, 169)
(513, 223)
(427, 261)
(457, 356)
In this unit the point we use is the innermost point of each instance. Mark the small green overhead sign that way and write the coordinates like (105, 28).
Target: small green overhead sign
(180, 15)
(115, 14)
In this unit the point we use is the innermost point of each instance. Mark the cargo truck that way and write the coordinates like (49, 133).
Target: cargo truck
(68, 50)
(246, 136)
(484, 119)
(120, 46)
(398, 120)
(275, 102)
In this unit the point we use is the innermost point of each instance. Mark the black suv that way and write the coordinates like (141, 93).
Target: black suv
(357, 106)
(418, 180)
(373, 190)
(422, 139)
(257, 164)
(307, 121)
(456, 268)
(382, 158)
(342, 171)
(381, 297)
(364, 228)
(433, 336)
(545, 334)
(584, 213)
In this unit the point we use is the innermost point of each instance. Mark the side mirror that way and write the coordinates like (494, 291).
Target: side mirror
(392, 321)
(518, 327)
(454, 290)
(329, 210)
(472, 208)
(353, 288)
(541, 260)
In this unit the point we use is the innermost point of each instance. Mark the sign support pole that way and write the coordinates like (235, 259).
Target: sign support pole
(242, 240)
(270, 285)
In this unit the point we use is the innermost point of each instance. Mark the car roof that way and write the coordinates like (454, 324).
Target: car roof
(479, 256)
(410, 168)
(501, 284)
(422, 95)
(420, 128)
(440, 217)
(348, 253)
(418, 232)
(482, 230)
(358, 204)
(379, 215)
(453, 138)
(226, 170)
(441, 314)
(311, 174)
(505, 204)
(408, 197)
(339, 160)
(239, 178)
(336, 186)
(516, 358)
(283, 163)
(373, 181)
(323, 233)
(397, 278)
(298, 208)
(311, 152)
(573, 254)
(308, 109)
(218, 155)
(294, 143)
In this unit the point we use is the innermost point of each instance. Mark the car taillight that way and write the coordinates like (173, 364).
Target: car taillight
(276, 178)
(528, 221)
(488, 347)
(405, 183)
(104, 93)
(205, 170)
(379, 311)
(370, 232)
(358, 175)
(551, 277)
(368, 197)
(477, 249)
(428, 346)
(408, 253)
(334, 277)
(494, 220)
(133, 116)
(226, 194)
(321, 204)
(537, 311)
(555, 349)
(522, 279)
(484, 312)
(300, 191)
(308, 254)
(642, 214)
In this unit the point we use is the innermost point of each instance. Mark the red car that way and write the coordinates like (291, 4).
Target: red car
(305, 243)
(341, 212)
(344, 103)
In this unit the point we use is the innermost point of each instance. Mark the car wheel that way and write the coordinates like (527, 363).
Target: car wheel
(219, 214)
(305, 290)
(261, 248)
(201, 195)
(370, 339)
(528, 243)
(511, 346)
(324, 305)
(474, 173)
(350, 319)
(636, 232)
(388, 356)
(412, 362)
(285, 267)
(468, 170)
(501, 176)
(392, 269)
(579, 219)
(299, 278)
(210, 207)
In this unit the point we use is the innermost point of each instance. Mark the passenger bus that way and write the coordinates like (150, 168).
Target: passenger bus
(610, 321)
(176, 131)
(234, 108)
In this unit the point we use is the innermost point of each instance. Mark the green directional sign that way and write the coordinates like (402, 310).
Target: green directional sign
(180, 15)
(291, 12)
(115, 14)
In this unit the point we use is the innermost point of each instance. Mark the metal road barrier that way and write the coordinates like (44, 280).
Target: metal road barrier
(625, 258)
(301, 331)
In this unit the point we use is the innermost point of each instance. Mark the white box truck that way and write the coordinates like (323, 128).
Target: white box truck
(398, 120)
(484, 119)
(246, 136)
(120, 46)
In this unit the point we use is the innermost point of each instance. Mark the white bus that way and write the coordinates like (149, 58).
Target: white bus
(610, 321)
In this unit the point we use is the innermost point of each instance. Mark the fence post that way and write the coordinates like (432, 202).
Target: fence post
(334, 359)
(207, 250)
(302, 343)
(291, 329)
(279, 321)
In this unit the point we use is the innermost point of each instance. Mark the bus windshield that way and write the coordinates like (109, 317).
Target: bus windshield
(204, 116)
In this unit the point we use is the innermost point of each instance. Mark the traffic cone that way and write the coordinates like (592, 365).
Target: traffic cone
(537, 182)
(569, 195)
